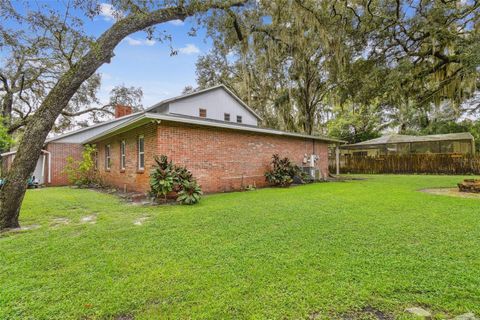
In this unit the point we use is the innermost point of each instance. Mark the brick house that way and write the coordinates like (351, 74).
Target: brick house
(211, 132)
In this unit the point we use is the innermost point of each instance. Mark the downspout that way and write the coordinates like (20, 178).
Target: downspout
(49, 180)
(43, 167)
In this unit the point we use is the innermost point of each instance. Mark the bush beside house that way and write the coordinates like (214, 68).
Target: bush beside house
(167, 178)
(283, 172)
(83, 173)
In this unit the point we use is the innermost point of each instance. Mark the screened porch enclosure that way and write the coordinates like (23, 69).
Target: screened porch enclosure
(456, 143)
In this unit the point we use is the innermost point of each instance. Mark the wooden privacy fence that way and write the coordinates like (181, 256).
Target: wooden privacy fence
(410, 163)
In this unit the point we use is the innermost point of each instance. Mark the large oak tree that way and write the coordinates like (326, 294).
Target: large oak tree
(132, 16)
(349, 67)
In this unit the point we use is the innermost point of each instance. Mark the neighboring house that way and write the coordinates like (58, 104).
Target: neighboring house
(453, 143)
(211, 132)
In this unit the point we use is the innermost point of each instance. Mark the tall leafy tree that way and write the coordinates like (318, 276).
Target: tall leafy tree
(133, 16)
(282, 64)
(354, 67)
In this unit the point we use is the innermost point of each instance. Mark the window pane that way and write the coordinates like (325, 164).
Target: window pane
(203, 113)
(227, 117)
(107, 156)
(239, 119)
(141, 153)
(122, 155)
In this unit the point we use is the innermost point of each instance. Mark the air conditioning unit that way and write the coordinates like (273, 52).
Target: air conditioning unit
(309, 167)
(312, 172)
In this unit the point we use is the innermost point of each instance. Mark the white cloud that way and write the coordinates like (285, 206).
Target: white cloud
(108, 12)
(133, 42)
(190, 48)
(177, 22)
(149, 42)
(138, 42)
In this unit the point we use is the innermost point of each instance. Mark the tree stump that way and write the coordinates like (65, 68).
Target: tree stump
(469, 185)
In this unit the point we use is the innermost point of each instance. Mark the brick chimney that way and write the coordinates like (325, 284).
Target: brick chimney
(121, 111)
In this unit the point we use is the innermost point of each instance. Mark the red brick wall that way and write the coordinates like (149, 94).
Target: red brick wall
(131, 178)
(59, 154)
(221, 160)
(224, 160)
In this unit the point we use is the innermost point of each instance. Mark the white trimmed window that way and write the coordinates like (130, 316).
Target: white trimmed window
(123, 158)
(107, 157)
(141, 153)
(95, 160)
(239, 119)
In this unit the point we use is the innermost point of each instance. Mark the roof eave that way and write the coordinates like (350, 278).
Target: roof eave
(123, 127)
(148, 117)
(68, 134)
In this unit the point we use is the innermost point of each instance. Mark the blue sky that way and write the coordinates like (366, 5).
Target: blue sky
(147, 64)
(140, 62)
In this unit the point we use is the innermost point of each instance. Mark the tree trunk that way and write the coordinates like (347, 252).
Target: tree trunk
(7, 107)
(37, 129)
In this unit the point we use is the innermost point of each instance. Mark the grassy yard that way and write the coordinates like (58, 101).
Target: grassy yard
(323, 250)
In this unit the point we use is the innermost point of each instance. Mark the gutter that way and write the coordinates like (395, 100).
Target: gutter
(154, 116)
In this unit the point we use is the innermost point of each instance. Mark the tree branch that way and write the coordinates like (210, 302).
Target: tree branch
(74, 114)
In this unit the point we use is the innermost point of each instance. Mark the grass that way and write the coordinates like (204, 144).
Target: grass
(322, 250)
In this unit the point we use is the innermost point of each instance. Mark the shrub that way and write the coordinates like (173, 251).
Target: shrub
(82, 173)
(162, 177)
(167, 177)
(190, 193)
(182, 175)
(282, 172)
(5, 138)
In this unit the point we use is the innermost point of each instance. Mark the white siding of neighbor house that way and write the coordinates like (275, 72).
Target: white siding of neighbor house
(217, 102)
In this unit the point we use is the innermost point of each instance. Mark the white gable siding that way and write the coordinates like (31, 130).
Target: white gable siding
(217, 102)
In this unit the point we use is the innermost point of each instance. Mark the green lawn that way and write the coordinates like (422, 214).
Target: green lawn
(323, 250)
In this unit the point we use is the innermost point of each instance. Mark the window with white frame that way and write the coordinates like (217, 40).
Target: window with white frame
(123, 158)
(95, 160)
(107, 157)
(141, 153)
